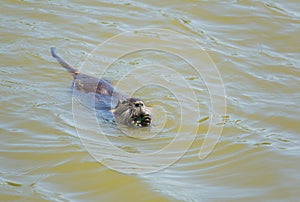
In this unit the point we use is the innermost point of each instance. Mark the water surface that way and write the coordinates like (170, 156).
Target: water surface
(254, 44)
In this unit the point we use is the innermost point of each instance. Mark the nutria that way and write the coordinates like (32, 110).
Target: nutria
(129, 111)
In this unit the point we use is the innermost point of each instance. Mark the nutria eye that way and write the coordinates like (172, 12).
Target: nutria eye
(138, 104)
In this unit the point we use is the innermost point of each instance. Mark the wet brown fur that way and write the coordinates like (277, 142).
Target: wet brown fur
(130, 111)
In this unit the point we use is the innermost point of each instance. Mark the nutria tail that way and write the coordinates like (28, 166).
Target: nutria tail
(70, 69)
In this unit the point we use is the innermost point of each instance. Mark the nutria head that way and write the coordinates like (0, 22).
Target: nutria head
(132, 111)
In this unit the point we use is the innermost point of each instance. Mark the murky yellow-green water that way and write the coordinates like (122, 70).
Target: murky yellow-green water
(256, 47)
